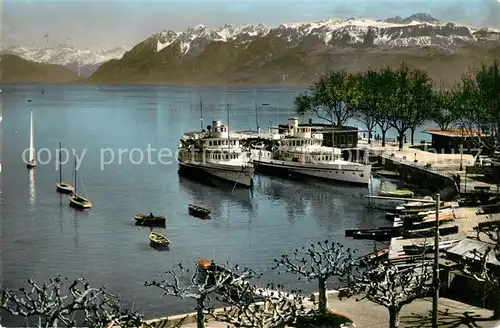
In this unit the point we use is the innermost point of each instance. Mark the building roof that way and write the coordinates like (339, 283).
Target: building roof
(465, 246)
(456, 133)
(323, 126)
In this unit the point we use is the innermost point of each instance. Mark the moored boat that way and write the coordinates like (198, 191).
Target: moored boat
(78, 201)
(430, 232)
(428, 248)
(298, 151)
(62, 187)
(352, 232)
(158, 240)
(426, 222)
(417, 216)
(230, 288)
(376, 234)
(399, 193)
(198, 211)
(150, 220)
(215, 154)
(376, 255)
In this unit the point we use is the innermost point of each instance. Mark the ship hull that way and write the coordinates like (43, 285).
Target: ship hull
(350, 174)
(235, 175)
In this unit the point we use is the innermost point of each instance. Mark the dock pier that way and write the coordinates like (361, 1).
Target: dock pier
(433, 171)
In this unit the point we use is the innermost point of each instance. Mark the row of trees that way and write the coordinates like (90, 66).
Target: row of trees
(384, 283)
(405, 98)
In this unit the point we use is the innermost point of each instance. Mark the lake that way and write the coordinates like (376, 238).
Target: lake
(42, 236)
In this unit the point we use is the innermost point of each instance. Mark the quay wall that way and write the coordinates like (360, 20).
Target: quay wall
(407, 170)
(189, 318)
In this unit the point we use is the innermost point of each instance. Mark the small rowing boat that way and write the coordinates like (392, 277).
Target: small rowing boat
(198, 211)
(158, 240)
(150, 220)
(416, 249)
(398, 193)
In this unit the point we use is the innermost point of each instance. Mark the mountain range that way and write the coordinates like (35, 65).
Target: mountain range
(83, 62)
(292, 53)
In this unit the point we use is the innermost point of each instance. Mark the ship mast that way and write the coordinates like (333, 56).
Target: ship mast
(228, 135)
(201, 113)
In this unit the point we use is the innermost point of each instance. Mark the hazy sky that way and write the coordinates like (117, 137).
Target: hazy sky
(111, 23)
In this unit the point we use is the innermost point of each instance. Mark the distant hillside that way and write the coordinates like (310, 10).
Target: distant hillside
(15, 69)
(294, 54)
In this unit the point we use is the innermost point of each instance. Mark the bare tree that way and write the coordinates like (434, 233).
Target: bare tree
(52, 306)
(391, 286)
(319, 262)
(204, 282)
(475, 263)
(276, 308)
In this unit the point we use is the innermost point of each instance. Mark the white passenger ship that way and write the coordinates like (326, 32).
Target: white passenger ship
(298, 151)
(215, 153)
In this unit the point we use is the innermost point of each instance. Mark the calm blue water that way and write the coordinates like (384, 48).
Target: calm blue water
(42, 236)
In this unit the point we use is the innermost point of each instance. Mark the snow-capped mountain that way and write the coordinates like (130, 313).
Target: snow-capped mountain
(418, 30)
(83, 61)
(195, 38)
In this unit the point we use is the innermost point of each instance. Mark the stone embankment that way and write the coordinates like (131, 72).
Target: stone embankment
(367, 314)
(419, 165)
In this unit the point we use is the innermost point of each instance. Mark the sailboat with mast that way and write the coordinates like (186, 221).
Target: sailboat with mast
(214, 152)
(62, 187)
(76, 200)
(31, 151)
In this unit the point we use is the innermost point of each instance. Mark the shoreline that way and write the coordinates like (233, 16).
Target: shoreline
(298, 86)
(181, 319)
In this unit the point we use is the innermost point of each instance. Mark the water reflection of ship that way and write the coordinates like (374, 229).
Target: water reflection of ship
(32, 189)
(280, 190)
(324, 201)
(205, 195)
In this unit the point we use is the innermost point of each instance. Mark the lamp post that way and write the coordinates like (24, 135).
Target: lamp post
(435, 269)
(461, 150)
(257, 114)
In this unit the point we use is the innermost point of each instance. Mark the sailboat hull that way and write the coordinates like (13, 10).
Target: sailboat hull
(79, 202)
(64, 188)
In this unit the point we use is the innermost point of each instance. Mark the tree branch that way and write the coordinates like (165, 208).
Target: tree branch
(54, 307)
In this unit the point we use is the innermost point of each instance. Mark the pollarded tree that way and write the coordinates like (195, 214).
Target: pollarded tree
(56, 304)
(475, 263)
(327, 98)
(276, 308)
(319, 262)
(391, 286)
(203, 283)
(444, 108)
